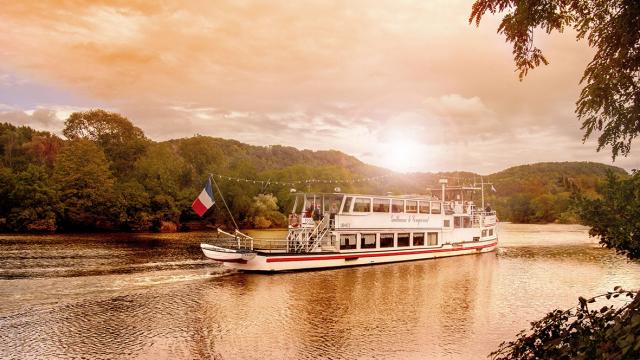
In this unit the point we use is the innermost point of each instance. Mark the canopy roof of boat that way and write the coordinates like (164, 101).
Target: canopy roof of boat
(456, 188)
(404, 196)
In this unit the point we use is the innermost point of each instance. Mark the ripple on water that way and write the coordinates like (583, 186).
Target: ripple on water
(160, 298)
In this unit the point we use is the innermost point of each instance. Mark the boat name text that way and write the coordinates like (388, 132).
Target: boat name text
(409, 219)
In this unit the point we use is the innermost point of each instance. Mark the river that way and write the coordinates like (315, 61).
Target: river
(150, 296)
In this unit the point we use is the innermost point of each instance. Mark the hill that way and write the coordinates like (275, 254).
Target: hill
(541, 192)
(114, 178)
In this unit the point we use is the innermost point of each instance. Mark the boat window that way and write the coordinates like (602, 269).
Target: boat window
(386, 240)
(432, 239)
(332, 203)
(347, 241)
(403, 239)
(435, 208)
(397, 206)
(412, 206)
(347, 205)
(424, 207)
(447, 223)
(466, 222)
(457, 222)
(381, 205)
(362, 205)
(367, 241)
(312, 202)
(484, 233)
(418, 239)
(490, 232)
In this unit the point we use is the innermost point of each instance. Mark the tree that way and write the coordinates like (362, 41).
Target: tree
(603, 332)
(134, 206)
(36, 204)
(165, 212)
(615, 216)
(44, 148)
(520, 210)
(162, 171)
(85, 184)
(121, 141)
(609, 102)
(17, 146)
(202, 153)
(264, 213)
(7, 184)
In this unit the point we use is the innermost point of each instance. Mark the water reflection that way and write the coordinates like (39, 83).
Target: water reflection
(170, 302)
(355, 312)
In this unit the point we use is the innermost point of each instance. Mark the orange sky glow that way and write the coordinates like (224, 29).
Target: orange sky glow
(407, 85)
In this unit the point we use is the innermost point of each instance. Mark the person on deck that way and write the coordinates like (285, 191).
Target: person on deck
(317, 214)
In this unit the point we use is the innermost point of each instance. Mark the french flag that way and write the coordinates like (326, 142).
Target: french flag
(204, 201)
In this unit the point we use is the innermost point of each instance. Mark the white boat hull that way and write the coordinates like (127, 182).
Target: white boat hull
(226, 255)
(287, 262)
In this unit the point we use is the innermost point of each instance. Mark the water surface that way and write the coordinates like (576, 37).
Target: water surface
(155, 296)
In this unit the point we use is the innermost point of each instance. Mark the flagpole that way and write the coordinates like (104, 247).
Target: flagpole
(224, 202)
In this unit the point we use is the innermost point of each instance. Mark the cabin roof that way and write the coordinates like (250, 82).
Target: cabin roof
(390, 196)
(455, 188)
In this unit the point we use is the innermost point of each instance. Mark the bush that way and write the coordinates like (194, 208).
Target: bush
(582, 332)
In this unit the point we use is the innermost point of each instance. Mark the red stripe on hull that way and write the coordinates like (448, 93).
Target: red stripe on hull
(364, 255)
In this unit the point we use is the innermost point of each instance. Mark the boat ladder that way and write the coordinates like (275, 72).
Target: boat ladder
(308, 239)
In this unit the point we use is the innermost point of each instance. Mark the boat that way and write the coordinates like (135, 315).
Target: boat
(332, 230)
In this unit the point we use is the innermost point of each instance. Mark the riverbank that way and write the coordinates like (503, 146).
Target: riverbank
(211, 229)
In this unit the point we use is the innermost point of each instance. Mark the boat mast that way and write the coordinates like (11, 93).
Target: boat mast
(482, 191)
(443, 182)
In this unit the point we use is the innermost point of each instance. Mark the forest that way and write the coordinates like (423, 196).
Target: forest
(104, 174)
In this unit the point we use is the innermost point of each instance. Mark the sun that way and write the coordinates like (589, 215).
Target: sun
(402, 155)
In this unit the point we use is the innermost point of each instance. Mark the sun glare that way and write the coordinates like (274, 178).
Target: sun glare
(402, 156)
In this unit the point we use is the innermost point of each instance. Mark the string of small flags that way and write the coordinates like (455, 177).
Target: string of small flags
(298, 182)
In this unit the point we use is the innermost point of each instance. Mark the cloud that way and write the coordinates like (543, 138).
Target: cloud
(42, 119)
(355, 76)
(257, 56)
(9, 81)
(45, 119)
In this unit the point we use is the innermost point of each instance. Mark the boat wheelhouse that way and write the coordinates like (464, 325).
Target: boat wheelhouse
(336, 230)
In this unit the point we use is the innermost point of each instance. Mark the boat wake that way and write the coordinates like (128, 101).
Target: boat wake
(162, 277)
(25, 293)
(72, 269)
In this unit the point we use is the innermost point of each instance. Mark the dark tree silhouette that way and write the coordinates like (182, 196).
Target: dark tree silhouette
(609, 104)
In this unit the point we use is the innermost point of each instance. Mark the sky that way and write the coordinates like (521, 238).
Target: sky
(407, 85)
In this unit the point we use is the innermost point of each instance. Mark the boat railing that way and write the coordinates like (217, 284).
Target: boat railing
(235, 241)
(307, 239)
(319, 232)
(270, 245)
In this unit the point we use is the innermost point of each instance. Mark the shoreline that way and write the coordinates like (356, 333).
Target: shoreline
(202, 231)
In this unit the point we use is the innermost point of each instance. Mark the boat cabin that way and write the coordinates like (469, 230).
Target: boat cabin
(358, 221)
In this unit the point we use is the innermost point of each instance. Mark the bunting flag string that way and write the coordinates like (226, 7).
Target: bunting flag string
(300, 182)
